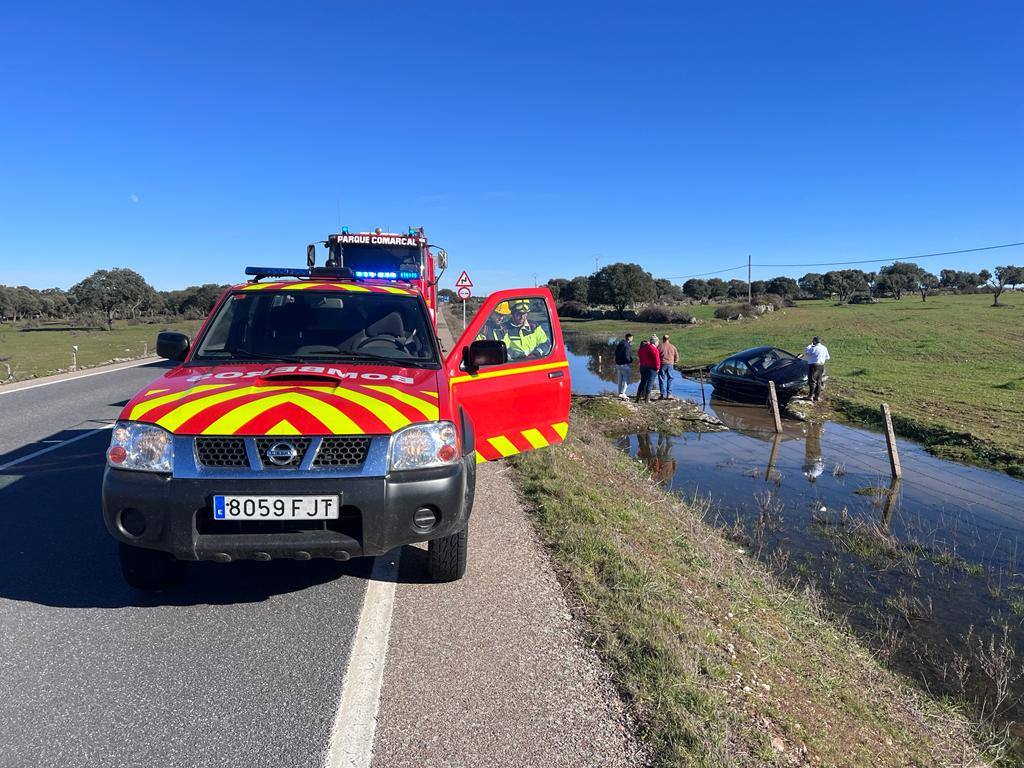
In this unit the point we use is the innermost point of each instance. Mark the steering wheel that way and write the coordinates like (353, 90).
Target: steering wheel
(399, 343)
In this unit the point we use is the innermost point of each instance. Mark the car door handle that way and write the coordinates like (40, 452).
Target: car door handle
(556, 374)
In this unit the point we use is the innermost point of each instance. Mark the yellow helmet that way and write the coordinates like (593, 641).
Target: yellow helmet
(522, 305)
(503, 309)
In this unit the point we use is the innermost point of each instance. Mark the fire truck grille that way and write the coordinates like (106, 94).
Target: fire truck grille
(342, 452)
(264, 444)
(221, 452)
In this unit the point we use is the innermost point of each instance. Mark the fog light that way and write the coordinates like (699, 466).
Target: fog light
(133, 522)
(425, 518)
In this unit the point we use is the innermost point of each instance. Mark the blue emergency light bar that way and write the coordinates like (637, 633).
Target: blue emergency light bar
(386, 275)
(336, 272)
(259, 272)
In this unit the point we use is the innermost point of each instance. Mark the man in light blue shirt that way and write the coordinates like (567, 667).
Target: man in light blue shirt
(817, 356)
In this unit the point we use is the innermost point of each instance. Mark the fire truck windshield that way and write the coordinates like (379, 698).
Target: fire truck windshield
(401, 262)
(319, 325)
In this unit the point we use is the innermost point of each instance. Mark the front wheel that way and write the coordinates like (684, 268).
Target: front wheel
(149, 569)
(446, 557)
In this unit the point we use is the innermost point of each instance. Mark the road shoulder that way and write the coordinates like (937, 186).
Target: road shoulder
(492, 670)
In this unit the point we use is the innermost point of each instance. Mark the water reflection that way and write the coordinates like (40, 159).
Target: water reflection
(816, 502)
(659, 460)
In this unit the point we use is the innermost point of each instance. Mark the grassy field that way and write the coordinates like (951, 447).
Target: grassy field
(32, 352)
(952, 367)
(722, 665)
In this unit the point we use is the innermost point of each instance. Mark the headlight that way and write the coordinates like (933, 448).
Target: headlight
(424, 445)
(140, 446)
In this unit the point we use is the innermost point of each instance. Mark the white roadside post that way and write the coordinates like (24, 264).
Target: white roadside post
(74, 357)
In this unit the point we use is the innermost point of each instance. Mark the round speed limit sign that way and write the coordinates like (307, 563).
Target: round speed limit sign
(464, 293)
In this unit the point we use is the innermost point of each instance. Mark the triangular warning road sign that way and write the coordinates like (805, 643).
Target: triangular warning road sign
(464, 281)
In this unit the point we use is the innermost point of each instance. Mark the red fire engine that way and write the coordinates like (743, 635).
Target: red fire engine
(384, 257)
(318, 416)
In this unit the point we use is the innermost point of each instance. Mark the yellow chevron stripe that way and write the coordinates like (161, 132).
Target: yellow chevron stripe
(512, 372)
(537, 440)
(354, 288)
(562, 428)
(283, 427)
(427, 393)
(391, 416)
(145, 407)
(300, 286)
(480, 458)
(503, 445)
(156, 391)
(256, 286)
(331, 417)
(186, 411)
(428, 409)
(389, 289)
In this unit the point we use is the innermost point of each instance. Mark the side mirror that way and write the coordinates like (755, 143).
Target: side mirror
(484, 352)
(172, 345)
(311, 255)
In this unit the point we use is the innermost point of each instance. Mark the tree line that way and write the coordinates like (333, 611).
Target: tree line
(105, 296)
(620, 285)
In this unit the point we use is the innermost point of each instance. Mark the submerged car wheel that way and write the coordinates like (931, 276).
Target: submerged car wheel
(446, 557)
(149, 569)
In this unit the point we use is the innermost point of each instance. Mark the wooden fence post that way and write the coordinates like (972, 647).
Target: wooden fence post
(773, 401)
(890, 500)
(776, 440)
(890, 440)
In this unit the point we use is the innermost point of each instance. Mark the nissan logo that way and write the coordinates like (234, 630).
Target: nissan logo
(282, 454)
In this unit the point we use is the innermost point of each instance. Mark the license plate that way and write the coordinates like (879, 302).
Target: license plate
(276, 507)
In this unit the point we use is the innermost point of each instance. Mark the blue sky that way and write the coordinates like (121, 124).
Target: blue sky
(187, 140)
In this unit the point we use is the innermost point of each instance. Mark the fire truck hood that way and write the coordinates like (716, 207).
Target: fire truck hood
(286, 399)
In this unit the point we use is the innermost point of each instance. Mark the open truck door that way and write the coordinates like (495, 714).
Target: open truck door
(510, 375)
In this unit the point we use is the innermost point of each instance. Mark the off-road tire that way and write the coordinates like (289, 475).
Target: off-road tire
(149, 569)
(446, 557)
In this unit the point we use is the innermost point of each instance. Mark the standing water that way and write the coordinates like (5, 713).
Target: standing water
(928, 569)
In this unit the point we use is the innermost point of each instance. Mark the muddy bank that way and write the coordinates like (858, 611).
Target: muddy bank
(618, 417)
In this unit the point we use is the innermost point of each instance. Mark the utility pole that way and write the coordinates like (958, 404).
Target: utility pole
(596, 259)
(750, 285)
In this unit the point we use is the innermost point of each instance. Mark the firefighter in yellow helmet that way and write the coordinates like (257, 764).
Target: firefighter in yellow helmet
(494, 328)
(523, 338)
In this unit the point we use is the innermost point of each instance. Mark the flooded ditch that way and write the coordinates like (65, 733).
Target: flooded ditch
(928, 570)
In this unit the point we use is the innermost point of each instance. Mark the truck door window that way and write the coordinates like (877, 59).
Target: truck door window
(523, 324)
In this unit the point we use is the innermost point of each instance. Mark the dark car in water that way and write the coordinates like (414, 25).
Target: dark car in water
(745, 375)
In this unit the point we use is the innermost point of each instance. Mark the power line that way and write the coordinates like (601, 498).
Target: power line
(848, 263)
(904, 258)
(704, 274)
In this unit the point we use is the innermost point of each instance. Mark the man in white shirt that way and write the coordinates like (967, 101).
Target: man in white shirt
(817, 356)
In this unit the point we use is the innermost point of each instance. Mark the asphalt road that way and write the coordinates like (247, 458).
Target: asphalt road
(241, 665)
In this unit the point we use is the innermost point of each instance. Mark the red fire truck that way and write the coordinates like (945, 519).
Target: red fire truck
(315, 414)
(386, 256)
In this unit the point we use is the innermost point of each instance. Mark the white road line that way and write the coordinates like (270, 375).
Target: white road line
(351, 744)
(4, 390)
(54, 447)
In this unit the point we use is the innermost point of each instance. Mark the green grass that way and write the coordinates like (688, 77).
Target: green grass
(721, 664)
(952, 368)
(33, 352)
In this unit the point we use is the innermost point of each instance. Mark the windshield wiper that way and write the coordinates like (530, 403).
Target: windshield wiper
(250, 355)
(409, 363)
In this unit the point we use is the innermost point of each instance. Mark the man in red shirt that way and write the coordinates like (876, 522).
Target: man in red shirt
(650, 362)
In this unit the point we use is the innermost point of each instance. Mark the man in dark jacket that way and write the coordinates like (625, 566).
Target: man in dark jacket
(624, 363)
